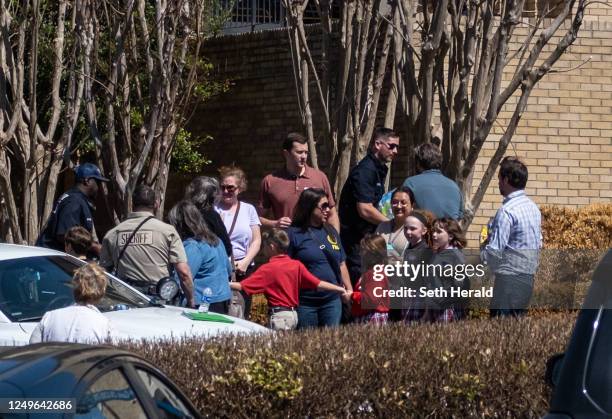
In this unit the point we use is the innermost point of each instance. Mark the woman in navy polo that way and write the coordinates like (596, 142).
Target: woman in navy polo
(316, 244)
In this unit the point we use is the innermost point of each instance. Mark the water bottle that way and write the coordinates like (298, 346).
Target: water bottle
(205, 305)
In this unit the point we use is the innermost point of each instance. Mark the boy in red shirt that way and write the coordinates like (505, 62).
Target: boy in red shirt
(280, 281)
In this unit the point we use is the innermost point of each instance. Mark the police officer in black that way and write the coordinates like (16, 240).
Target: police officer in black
(360, 195)
(74, 208)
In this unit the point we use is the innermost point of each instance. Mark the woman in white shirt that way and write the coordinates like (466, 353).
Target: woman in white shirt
(241, 222)
(81, 322)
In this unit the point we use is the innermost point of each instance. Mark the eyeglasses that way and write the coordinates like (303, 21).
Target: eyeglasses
(324, 207)
(391, 146)
(229, 188)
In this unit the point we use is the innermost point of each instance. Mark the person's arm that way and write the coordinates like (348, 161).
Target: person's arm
(326, 286)
(370, 213)
(500, 234)
(242, 265)
(236, 286)
(333, 218)
(106, 258)
(266, 220)
(346, 281)
(36, 336)
(184, 274)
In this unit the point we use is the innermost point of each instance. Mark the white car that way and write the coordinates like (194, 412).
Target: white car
(35, 280)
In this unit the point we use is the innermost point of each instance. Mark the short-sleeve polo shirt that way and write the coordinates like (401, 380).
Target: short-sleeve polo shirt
(281, 190)
(365, 184)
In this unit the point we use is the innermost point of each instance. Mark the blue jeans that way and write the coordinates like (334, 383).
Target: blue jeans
(326, 314)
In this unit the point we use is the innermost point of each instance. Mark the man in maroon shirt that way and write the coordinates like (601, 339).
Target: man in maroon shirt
(280, 281)
(281, 189)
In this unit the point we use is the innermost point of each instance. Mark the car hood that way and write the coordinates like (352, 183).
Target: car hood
(152, 323)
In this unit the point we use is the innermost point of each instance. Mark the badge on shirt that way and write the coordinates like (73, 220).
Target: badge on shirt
(334, 243)
(141, 237)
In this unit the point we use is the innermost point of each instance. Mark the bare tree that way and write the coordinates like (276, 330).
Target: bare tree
(120, 73)
(446, 55)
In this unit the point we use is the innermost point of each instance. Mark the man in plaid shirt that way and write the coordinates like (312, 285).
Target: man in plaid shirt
(513, 246)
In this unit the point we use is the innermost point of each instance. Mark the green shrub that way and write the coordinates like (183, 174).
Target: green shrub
(477, 368)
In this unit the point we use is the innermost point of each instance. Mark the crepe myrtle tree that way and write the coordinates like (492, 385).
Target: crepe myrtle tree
(448, 56)
(119, 76)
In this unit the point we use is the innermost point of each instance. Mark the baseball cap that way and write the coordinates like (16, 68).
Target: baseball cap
(89, 170)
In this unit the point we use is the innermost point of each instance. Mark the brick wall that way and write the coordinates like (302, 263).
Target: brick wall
(565, 136)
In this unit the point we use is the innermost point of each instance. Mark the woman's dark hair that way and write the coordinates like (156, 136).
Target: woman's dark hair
(453, 228)
(189, 223)
(405, 190)
(202, 191)
(307, 202)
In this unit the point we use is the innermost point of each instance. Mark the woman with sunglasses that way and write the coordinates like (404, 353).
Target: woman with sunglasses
(242, 224)
(315, 243)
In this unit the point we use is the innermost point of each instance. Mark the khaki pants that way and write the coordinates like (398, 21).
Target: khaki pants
(284, 320)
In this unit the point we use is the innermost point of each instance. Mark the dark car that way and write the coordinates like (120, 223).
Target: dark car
(96, 381)
(582, 376)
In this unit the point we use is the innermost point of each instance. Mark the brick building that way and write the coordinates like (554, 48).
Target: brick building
(565, 136)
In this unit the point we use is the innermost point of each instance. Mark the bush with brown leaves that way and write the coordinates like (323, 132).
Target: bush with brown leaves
(477, 368)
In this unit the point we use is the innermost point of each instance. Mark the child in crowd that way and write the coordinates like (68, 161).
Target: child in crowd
(368, 306)
(418, 252)
(77, 242)
(448, 239)
(81, 322)
(280, 281)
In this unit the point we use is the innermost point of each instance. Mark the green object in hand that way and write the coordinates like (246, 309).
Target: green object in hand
(208, 317)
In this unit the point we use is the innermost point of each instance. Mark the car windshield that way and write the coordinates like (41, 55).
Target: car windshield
(29, 287)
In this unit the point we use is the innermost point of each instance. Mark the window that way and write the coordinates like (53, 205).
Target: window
(168, 403)
(110, 396)
(31, 286)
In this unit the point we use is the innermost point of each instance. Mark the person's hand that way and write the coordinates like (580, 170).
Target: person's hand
(242, 266)
(346, 297)
(283, 222)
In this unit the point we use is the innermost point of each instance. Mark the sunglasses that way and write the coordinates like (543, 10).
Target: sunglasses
(390, 146)
(324, 207)
(229, 188)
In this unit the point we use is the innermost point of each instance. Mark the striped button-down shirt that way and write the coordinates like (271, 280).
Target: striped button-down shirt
(515, 236)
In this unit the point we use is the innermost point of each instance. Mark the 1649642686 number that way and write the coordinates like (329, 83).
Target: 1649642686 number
(37, 405)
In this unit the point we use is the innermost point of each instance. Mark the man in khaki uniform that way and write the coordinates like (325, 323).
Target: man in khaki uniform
(151, 249)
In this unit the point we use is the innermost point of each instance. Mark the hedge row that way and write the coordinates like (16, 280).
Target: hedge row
(477, 368)
(588, 227)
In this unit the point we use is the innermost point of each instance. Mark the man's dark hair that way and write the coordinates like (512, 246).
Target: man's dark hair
(293, 137)
(428, 157)
(515, 171)
(382, 133)
(143, 197)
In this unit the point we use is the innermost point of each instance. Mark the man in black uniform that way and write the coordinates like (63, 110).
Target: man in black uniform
(360, 195)
(74, 208)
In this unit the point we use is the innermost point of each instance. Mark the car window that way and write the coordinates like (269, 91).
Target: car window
(168, 403)
(599, 369)
(29, 287)
(110, 396)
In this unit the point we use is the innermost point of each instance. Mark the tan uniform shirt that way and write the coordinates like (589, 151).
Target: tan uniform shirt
(155, 246)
